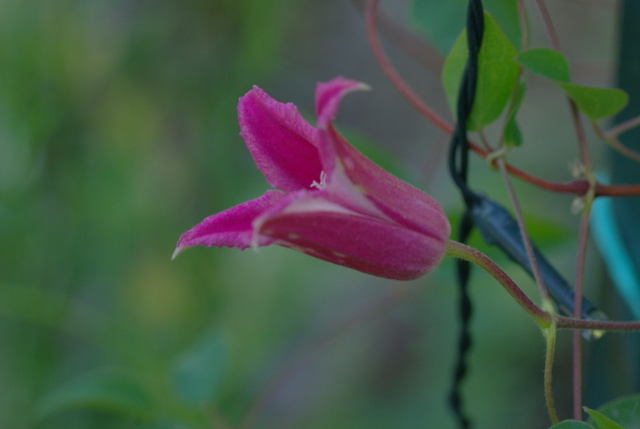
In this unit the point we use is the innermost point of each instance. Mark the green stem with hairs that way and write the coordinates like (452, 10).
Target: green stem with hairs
(467, 253)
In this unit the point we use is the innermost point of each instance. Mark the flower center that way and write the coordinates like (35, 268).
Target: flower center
(323, 181)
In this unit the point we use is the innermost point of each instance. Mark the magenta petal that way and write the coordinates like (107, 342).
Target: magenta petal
(398, 200)
(368, 245)
(232, 227)
(337, 205)
(329, 94)
(353, 178)
(280, 141)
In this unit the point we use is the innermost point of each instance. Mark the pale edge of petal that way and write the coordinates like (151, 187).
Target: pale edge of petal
(178, 251)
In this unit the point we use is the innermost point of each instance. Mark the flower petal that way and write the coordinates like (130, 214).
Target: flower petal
(329, 94)
(397, 199)
(320, 228)
(348, 171)
(232, 227)
(280, 141)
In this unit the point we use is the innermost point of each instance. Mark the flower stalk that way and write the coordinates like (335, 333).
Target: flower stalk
(467, 253)
(544, 318)
(550, 351)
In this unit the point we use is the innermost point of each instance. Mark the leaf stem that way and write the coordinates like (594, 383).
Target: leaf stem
(548, 25)
(612, 139)
(623, 127)
(524, 25)
(596, 325)
(580, 134)
(542, 289)
(583, 236)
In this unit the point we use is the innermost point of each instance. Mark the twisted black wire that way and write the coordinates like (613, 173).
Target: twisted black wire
(458, 167)
(465, 309)
(459, 148)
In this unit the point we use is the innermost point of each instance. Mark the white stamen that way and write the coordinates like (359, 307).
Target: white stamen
(323, 181)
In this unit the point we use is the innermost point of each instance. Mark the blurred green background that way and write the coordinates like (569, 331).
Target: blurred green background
(118, 132)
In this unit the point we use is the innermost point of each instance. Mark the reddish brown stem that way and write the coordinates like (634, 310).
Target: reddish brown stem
(412, 44)
(548, 25)
(579, 187)
(394, 76)
(583, 236)
(596, 325)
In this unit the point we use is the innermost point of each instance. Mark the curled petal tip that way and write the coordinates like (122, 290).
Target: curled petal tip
(328, 97)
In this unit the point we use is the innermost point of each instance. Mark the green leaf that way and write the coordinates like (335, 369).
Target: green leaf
(571, 424)
(511, 134)
(441, 21)
(506, 15)
(624, 411)
(596, 103)
(497, 74)
(113, 390)
(198, 373)
(547, 63)
(602, 421)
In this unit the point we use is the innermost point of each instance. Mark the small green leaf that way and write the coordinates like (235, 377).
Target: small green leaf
(547, 63)
(571, 424)
(198, 373)
(497, 74)
(512, 133)
(113, 390)
(625, 411)
(596, 103)
(602, 421)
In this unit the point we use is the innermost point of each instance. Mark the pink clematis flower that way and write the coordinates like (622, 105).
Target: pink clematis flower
(333, 203)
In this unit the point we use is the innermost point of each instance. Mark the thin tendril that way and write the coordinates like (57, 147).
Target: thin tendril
(394, 76)
(622, 127)
(526, 241)
(612, 139)
(548, 25)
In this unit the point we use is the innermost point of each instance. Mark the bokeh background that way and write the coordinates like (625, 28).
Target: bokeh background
(118, 132)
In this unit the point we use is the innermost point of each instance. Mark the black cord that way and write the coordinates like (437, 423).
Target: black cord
(465, 307)
(458, 167)
(494, 222)
(459, 148)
